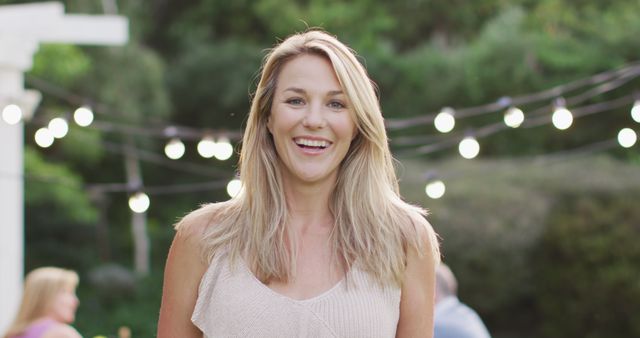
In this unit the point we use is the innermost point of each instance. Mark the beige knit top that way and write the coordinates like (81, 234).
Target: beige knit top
(232, 302)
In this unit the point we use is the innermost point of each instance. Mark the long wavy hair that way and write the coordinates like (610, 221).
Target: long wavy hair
(373, 225)
(40, 288)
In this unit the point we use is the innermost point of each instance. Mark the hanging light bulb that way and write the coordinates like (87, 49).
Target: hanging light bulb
(562, 117)
(224, 149)
(12, 114)
(139, 202)
(627, 137)
(513, 117)
(207, 147)
(435, 189)
(444, 121)
(59, 127)
(83, 116)
(635, 111)
(174, 149)
(233, 187)
(469, 147)
(44, 138)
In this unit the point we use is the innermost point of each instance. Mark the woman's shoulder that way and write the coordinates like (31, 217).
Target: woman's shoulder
(60, 330)
(419, 227)
(196, 222)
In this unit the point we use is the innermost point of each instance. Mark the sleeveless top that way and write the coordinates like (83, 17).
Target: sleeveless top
(232, 302)
(37, 329)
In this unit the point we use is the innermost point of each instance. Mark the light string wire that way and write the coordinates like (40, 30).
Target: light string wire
(161, 131)
(606, 81)
(152, 157)
(504, 102)
(540, 118)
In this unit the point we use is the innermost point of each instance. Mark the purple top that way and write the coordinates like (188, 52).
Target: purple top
(37, 329)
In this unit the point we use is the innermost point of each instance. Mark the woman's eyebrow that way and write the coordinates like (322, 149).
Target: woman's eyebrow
(296, 90)
(302, 91)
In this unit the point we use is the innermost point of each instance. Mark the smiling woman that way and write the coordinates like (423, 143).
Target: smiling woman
(318, 242)
(310, 122)
(48, 305)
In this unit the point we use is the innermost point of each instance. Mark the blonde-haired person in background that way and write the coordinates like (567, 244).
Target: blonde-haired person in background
(318, 243)
(48, 305)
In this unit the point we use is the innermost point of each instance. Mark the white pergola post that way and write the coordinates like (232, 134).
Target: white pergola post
(22, 29)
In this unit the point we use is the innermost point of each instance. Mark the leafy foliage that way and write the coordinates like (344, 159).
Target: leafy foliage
(587, 263)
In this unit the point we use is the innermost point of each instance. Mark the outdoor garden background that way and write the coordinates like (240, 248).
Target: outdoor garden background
(541, 228)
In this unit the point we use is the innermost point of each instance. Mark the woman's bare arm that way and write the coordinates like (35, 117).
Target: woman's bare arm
(183, 271)
(418, 290)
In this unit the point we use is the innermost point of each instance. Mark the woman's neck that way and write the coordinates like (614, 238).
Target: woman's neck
(308, 207)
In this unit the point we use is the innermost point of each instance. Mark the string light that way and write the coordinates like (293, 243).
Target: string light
(513, 117)
(174, 149)
(139, 202)
(435, 189)
(609, 80)
(469, 147)
(635, 111)
(444, 121)
(207, 147)
(44, 138)
(83, 116)
(12, 114)
(562, 117)
(627, 137)
(58, 127)
(233, 187)
(223, 149)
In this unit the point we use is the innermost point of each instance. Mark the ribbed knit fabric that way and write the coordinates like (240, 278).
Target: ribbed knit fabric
(232, 302)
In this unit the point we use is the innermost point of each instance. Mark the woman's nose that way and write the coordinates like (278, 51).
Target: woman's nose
(314, 117)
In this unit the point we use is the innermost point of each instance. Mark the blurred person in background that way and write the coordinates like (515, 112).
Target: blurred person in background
(48, 306)
(318, 243)
(454, 319)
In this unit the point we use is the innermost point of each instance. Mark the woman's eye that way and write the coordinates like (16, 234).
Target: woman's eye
(295, 101)
(336, 105)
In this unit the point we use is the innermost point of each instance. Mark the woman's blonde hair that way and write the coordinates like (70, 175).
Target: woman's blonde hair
(40, 288)
(372, 223)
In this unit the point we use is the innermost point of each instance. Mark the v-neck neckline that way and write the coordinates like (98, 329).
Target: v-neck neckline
(319, 296)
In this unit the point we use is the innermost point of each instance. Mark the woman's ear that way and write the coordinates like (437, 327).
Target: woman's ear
(269, 125)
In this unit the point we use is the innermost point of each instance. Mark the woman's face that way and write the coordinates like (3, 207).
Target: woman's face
(310, 120)
(63, 306)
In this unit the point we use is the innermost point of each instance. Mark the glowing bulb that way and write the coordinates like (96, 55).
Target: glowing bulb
(58, 127)
(44, 138)
(513, 117)
(224, 149)
(207, 147)
(562, 118)
(83, 116)
(174, 149)
(469, 147)
(12, 114)
(627, 137)
(139, 202)
(635, 111)
(435, 189)
(233, 187)
(444, 121)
